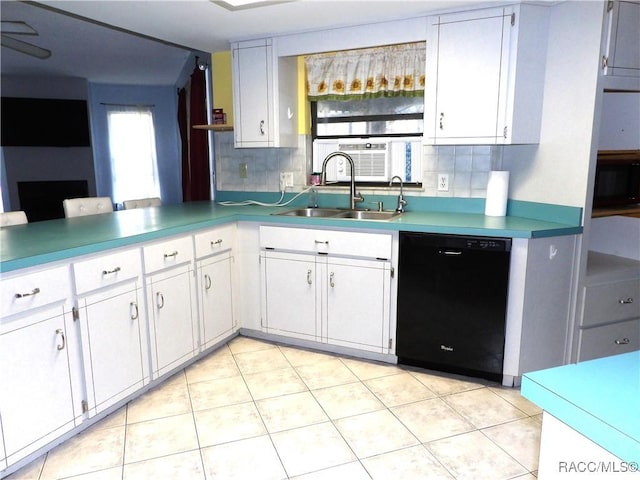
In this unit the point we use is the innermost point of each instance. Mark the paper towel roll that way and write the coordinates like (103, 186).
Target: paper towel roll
(497, 193)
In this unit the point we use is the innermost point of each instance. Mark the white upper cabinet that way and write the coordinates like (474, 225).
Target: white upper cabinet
(485, 76)
(621, 45)
(264, 95)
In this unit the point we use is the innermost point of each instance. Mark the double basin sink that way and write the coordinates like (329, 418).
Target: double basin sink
(340, 213)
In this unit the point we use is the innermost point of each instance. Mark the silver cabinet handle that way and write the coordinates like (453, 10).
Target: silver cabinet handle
(35, 291)
(207, 281)
(624, 341)
(159, 300)
(61, 346)
(107, 272)
(441, 120)
(331, 279)
(133, 308)
(323, 242)
(217, 242)
(309, 279)
(172, 254)
(625, 302)
(261, 127)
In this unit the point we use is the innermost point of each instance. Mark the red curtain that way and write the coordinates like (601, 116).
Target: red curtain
(196, 177)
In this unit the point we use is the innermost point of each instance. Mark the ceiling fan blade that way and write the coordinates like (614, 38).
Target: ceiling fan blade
(24, 47)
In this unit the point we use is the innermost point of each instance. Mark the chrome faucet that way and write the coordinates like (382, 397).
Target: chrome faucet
(401, 201)
(353, 196)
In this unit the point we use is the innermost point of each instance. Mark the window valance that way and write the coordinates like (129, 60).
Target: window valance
(366, 73)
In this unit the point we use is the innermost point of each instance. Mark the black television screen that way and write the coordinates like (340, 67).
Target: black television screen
(44, 122)
(43, 200)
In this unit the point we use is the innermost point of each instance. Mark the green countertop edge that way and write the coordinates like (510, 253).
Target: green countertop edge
(515, 208)
(209, 214)
(535, 388)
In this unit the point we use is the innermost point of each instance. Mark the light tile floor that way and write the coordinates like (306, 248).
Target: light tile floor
(254, 410)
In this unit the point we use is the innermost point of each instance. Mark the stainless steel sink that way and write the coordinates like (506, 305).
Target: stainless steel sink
(339, 213)
(311, 212)
(367, 215)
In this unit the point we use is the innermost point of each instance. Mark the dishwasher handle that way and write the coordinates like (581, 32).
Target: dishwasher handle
(449, 252)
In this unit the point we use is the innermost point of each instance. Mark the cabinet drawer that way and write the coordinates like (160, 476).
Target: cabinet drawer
(106, 270)
(33, 290)
(609, 340)
(167, 254)
(214, 241)
(357, 244)
(611, 301)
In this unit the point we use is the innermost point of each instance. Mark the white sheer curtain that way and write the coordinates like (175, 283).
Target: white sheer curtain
(132, 152)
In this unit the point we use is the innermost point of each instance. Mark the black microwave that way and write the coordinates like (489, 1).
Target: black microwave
(617, 178)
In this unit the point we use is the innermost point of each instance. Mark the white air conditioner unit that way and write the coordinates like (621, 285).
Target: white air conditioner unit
(370, 158)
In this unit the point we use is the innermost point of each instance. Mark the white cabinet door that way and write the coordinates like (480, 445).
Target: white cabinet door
(358, 304)
(621, 55)
(114, 340)
(173, 333)
(485, 76)
(252, 77)
(264, 95)
(35, 393)
(216, 299)
(290, 295)
(470, 54)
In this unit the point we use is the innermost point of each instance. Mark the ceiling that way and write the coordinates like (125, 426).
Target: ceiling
(147, 42)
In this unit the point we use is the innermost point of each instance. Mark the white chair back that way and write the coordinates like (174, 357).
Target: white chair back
(142, 203)
(80, 207)
(17, 217)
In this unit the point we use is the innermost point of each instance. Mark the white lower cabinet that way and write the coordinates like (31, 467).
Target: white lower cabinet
(36, 398)
(114, 339)
(171, 303)
(215, 279)
(334, 299)
(171, 318)
(358, 303)
(291, 295)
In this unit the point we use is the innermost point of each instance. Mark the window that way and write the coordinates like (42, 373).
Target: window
(369, 103)
(379, 117)
(132, 152)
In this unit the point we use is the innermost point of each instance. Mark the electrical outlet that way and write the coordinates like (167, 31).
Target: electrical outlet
(286, 180)
(443, 182)
(243, 170)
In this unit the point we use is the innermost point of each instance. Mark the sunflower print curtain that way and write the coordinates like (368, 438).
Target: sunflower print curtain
(392, 70)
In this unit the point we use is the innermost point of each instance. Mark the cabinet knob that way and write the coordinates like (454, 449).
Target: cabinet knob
(60, 333)
(207, 281)
(133, 308)
(35, 291)
(159, 300)
(331, 279)
(261, 127)
(625, 302)
(217, 242)
(172, 254)
(441, 120)
(309, 279)
(624, 341)
(107, 272)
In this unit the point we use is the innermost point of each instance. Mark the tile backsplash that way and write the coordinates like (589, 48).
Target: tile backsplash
(468, 167)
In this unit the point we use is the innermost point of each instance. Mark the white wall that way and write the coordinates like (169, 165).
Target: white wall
(557, 170)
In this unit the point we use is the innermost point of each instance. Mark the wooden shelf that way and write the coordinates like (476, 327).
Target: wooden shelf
(628, 211)
(214, 127)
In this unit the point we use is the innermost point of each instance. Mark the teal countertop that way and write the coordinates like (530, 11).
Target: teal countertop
(37, 243)
(598, 398)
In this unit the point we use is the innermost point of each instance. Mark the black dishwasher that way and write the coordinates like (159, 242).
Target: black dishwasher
(452, 300)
